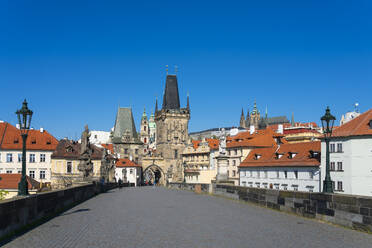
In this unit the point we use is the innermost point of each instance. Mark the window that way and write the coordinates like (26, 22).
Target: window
(339, 186)
(32, 158)
(9, 157)
(32, 174)
(258, 185)
(311, 175)
(276, 186)
(19, 157)
(295, 187)
(265, 174)
(265, 185)
(131, 171)
(235, 152)
(228, 173)
(145, 140)
(242, 173)
(277, 174)
(136, 151)
(126, 151)
(339, 166)
(244, 184)
(9, 172)
(19, 172)
(233, 172)
(296, 174)
(284, 186)
(144, 129)
(42, 158)
(42, 174)
(176, 153)
(339, 147)
(332, 166)
(69, 167)
(332, 148)
(250, 173)
(234, 162)
(285, 174)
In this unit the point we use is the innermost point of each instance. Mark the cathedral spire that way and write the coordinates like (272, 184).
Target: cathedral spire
(242, 119)
(171, 98)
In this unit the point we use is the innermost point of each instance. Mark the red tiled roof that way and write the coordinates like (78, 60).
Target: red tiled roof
(10, 139)
(268, 156)
(109, 147)
(212, 143)
(124, 162)
(300, 130)
(260, 138)
(10, 181)
(356, 127)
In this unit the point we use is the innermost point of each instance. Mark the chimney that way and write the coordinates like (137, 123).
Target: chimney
(280, 128)
(41, 130)
(251, 129)
(18, 126)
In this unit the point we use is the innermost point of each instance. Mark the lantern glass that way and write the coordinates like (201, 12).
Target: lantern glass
(24, 118)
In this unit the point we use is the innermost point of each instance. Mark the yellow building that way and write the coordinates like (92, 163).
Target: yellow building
(65, 161)
(199, 161)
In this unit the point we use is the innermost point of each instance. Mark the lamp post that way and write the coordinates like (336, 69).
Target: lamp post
(327, 125)
(24, 119)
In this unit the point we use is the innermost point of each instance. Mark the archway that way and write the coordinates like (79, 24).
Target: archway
(153, 175)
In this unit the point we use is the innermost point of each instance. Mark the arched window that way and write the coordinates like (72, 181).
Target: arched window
(145, 140)
(144, 128)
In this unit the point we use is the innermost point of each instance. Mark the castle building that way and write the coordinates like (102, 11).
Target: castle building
(124, 137)
(171, 137)
(255, 120)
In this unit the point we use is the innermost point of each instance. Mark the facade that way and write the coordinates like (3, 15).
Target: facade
(128, 172)
(199, 161)
(171, 137)
(152, 127)
(9, 183)
(351, 156)
(239, 146)
(65, 161)
(124, 137)
(145, 132)
(40, 146)
(283, 167)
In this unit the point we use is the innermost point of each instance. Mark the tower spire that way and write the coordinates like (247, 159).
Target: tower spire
(242, 120)
(166, 69)
(266, 112)
(292, 121)
(156, 105)
(188, 102)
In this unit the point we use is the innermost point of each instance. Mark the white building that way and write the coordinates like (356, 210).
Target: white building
(285, 167)
(128, 171)
(40, 146)
(351, 156)
(99, 137)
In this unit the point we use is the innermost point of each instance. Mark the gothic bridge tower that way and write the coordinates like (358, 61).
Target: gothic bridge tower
(172, 129)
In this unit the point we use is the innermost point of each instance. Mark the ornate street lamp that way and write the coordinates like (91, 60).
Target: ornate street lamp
(327, 125)
(24, 119)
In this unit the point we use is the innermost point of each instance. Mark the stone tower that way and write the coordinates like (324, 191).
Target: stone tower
(152, 129)
(172, 129)
(145, 132)
(124, 136)
(255, 116)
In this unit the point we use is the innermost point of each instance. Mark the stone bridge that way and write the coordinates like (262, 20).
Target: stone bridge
(160, 217)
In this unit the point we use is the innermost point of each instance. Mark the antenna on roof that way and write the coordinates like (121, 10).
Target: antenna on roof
(166, 69)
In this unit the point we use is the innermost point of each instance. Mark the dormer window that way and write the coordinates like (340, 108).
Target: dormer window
(257, 156)
(370, 124)
(292, 154)
(49, 142)
(33, 140)
(69, 149)
(278, 155)
(314, 154)
(16, 140)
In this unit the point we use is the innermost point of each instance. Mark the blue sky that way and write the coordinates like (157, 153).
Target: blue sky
(76, 61)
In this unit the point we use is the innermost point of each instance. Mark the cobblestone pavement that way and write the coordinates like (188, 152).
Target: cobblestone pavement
(158, 217)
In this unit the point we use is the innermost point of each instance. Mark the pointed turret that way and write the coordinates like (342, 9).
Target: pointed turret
(242, 119)
(171, 98)
(292, 121)
(156, 105)
(144, 116)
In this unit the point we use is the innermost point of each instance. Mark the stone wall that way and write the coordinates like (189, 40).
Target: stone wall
(206, 188)
(22, 212)
(346, 210)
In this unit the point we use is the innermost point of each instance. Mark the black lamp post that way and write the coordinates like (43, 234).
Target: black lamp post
(24, 119)
(327, 124)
